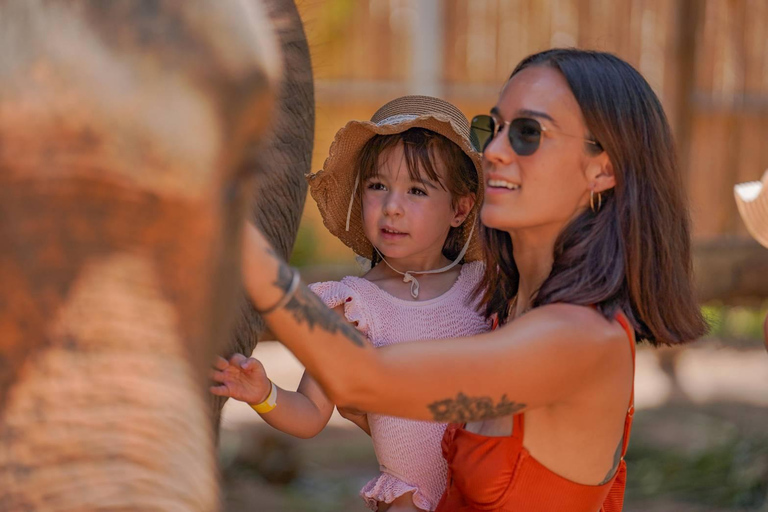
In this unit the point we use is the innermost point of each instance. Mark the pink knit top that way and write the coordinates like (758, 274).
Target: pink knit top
(408, 451)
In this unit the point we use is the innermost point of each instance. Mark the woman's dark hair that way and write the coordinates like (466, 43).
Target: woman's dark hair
(423, 149)
(633, 255)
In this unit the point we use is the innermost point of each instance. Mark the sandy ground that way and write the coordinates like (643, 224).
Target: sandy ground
(326, 472)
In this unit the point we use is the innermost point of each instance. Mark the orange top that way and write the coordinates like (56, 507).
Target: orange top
(498, 473)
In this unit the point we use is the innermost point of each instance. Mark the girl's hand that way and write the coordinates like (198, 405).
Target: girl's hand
(242, 378)
(356, 416)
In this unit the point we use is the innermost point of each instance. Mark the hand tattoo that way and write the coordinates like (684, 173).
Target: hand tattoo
(464, 408)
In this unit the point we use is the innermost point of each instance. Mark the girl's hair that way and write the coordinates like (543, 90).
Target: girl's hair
(633, 255)
(424, 152)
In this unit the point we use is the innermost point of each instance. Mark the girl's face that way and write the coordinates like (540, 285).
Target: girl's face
(408, 219)
(552, 185)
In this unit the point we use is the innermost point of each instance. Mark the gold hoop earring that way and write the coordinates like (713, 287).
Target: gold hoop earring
(592, 201)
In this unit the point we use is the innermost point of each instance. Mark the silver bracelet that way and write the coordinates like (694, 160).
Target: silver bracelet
(295, 280)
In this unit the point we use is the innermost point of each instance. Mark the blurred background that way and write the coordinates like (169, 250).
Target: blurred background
(700, 441)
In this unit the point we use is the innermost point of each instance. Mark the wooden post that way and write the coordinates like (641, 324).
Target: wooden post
(688, 19)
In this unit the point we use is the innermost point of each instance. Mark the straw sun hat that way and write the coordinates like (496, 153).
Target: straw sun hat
(752, 200)
(333, 188)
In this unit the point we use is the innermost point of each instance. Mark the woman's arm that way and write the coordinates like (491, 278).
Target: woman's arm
(547, 356)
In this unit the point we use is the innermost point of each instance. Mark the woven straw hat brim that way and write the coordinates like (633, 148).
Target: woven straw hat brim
(332, 187)
(754, 210)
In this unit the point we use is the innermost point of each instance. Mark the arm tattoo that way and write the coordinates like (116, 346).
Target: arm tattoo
(465, 408)
(616, 461)
(306, 307)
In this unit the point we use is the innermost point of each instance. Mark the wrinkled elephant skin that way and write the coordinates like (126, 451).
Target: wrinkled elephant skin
(280, 191)
(127, 135)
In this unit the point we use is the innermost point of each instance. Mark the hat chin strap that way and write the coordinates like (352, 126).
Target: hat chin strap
(352, 199)
(408, 276)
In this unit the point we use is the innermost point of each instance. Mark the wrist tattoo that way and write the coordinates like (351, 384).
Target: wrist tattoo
(465, 408)
(307, 308)
(288, 281)
(284, 274)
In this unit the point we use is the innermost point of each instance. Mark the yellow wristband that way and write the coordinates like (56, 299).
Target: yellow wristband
(268, 404)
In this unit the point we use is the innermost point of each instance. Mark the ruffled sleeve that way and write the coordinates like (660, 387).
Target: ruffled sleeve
(334, 293)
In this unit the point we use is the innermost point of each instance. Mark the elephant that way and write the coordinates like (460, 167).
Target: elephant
(136, 136)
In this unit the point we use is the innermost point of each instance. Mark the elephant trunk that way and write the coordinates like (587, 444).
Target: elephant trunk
(280, 192)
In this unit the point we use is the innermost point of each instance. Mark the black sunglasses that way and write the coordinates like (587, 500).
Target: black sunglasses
(524, 134)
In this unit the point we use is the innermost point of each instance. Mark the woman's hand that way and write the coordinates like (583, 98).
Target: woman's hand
(242, 378)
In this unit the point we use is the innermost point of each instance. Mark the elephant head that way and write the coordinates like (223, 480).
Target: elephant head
(131, 132)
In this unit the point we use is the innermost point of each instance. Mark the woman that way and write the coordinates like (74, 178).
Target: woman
(586, 244)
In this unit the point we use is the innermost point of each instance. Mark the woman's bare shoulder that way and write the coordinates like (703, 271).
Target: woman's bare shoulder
(575, 327)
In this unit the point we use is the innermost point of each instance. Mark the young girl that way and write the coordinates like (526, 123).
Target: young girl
(400, 190)
(587, 246)
(752, 201)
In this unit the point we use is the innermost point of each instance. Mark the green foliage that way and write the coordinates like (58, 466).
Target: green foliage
(304, 252)
(735, 322)
(734, 474)
(335, 19)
